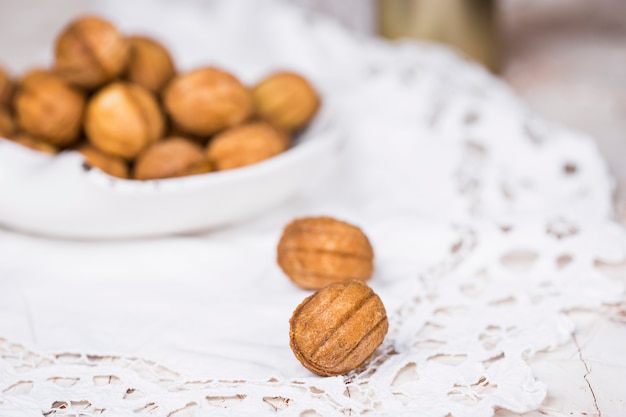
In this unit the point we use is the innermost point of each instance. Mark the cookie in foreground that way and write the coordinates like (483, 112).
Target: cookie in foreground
(337, 329)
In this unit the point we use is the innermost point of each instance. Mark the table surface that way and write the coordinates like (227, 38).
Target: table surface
(568, 62)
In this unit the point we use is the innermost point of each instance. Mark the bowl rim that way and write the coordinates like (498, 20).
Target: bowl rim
(321, 132)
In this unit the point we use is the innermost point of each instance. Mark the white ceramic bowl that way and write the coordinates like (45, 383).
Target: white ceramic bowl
(58, 196)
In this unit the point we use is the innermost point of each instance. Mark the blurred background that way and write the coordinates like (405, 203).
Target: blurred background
(565, 58)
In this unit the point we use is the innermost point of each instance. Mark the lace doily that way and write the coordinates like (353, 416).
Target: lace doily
(487, 224)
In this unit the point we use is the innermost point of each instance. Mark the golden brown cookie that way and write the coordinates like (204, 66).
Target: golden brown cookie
(317, 251)
(337, 329)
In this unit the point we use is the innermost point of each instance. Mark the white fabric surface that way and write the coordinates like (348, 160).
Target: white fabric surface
(482, 240)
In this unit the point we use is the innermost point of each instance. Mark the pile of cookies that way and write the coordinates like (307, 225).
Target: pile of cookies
(120, 102)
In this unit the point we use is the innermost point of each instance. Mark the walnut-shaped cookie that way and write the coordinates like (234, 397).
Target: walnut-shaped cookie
(150, 64)
(34, 144)
(7, 87)
(90, 52)
(171, 157)
(287, 100)
(207, 100)
(49, 109)
(245, 145)
(7, 124)
(335, 330)
(109, 164)
(122, 119)
(316, 251)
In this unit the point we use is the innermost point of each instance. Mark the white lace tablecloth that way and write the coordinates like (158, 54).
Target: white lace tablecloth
(488, 225)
